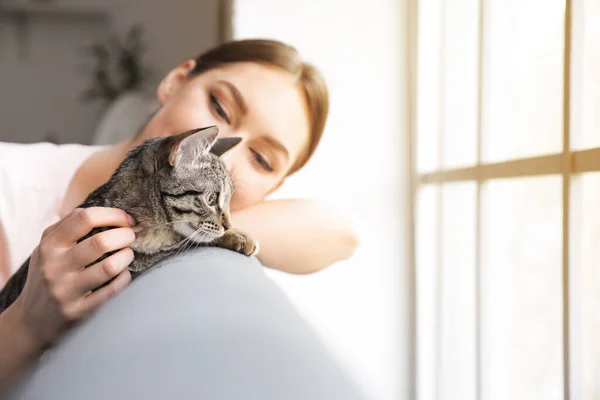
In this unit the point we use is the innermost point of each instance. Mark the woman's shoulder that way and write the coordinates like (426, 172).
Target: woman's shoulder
(33, 178)
(41, 165)
(45, 149)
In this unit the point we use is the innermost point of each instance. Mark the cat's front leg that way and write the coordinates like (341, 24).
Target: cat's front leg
(238, 241)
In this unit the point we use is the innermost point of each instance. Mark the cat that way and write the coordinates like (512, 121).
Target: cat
(178, 190)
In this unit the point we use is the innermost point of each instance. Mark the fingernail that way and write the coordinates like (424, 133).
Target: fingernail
(131, 220)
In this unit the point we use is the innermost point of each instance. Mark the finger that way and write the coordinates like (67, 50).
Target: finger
(103, 271)
(99, 297)
(82, 220)
(101, 243)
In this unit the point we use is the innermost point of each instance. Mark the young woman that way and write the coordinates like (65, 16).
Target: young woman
(258, 90)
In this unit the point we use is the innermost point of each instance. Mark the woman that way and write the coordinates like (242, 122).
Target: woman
(258, 90)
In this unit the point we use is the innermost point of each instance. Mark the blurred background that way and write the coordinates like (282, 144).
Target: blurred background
(463, 138)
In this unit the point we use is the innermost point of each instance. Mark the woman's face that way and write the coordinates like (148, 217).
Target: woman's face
(261, 104)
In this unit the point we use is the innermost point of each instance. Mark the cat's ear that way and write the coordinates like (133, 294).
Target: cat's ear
(223, 145)
(188, 146)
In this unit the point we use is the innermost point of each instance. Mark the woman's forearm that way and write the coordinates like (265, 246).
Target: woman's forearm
(311, 236)
(18, 346)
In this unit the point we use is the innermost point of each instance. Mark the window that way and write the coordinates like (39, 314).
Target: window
(507, 148)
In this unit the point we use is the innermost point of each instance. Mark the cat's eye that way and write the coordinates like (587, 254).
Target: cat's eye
(211, 198)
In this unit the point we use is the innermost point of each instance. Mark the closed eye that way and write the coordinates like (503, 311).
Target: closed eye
(180, 210)
(258, 158)
(182, 194)
(216, 105)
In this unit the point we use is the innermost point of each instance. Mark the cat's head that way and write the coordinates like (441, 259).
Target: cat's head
(193, 183)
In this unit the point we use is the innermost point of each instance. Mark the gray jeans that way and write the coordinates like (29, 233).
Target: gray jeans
(204, 325)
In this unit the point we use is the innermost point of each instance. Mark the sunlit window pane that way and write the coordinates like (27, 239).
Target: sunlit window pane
(521, 289)
(428, 96)
(458, 301)
(427, 326)
(460, 82)
(588, 81)
(589, 275)
(523, 78)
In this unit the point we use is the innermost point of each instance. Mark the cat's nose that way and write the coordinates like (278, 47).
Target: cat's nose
(225, 221)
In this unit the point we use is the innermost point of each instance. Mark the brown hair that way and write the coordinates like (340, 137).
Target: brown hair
(283, 56)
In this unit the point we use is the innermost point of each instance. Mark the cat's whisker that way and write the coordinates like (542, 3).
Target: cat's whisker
(181, 249)
(201, 236)
(186, 241)
(189, 242)
(176, 245)
(177, 248)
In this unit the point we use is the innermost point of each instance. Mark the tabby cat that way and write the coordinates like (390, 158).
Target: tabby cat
(178, 191)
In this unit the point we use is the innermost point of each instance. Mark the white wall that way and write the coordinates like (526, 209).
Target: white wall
(39, 94)
(358, 306)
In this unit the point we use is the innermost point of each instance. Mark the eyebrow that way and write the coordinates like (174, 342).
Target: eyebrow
(237, 96)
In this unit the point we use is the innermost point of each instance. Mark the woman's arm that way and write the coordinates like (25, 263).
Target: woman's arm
(18, 346)
(297, 236)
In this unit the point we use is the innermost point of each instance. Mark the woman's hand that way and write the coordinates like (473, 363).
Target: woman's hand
(58, 287)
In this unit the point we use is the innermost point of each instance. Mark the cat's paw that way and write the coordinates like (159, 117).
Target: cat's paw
(238, 242)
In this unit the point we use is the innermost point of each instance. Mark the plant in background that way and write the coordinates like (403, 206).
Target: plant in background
(117, 67)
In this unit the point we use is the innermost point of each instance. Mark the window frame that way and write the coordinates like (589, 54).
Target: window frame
(569, 164)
